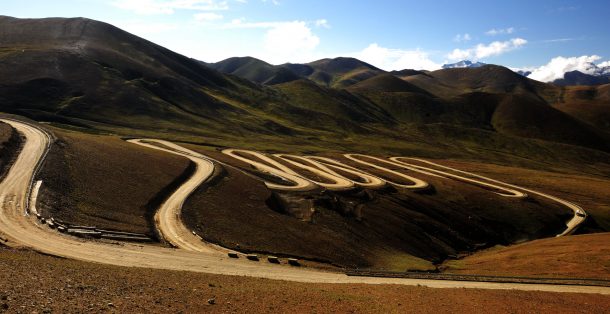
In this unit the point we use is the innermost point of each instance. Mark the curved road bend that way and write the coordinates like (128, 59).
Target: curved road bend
(277, 169)
(368, 180)
(168, 218)
(579, 214)
(25, 231)
(340, 183)
(417, 184)
(500, 190)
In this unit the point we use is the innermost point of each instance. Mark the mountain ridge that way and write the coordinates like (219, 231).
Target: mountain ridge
(88, 73)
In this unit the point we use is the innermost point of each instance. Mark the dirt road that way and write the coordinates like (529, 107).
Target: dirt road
(22, 230)
(579, 214)
(168, 218)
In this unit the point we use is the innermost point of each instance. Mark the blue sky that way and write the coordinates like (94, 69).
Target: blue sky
(389, 34)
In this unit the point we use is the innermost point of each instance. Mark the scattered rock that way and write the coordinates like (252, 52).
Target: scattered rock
(212, 301)
(110, 304)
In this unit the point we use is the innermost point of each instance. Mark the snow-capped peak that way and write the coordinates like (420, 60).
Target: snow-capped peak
(463, 64)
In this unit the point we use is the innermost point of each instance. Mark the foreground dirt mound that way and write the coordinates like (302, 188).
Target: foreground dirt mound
(31, 282)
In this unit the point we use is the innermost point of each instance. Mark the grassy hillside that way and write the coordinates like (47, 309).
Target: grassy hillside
(255, 70)
(89, 74)
(337, 73)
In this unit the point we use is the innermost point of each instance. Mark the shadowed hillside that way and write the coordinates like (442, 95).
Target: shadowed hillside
(337, 73)
(587, 103)
(255, 70)
(92, 75)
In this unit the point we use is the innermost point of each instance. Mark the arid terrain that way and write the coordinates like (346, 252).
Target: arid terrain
(134, 179)
(36, 282)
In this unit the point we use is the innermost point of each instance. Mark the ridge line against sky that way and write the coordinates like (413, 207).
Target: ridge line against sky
(546, 36)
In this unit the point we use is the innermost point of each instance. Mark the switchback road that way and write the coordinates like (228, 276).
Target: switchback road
(23, 230)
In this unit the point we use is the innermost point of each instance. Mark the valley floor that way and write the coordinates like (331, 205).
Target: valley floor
(32, 282)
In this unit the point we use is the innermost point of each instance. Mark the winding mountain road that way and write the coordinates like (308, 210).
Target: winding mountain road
(168, 218)
(20, 229)
(579, 214)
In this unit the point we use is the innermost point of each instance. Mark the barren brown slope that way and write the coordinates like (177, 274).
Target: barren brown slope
(528, 116)
(579, 256)
(587, 103)
(32, 282)
(9, 146)
(590, 191)
(106, 182)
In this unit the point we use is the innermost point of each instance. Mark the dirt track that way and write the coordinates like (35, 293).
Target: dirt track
(22, 230)
(168, 217)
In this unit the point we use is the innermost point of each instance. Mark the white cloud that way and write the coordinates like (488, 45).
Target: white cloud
(151, 7)
(500, 31)
(322, 23)
(461, 38)
(483, 51)
(604, 64)
(396, 59)
(556, 68)
(208, 17)
(289, 42)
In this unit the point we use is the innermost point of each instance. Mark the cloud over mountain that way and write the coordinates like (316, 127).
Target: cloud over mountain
(483, 51)
(558, 66)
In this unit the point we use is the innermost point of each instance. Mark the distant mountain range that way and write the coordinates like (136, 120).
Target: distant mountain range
(592, 75)
(91, 74)
(579, 78)
(342, 72)
(336, 73)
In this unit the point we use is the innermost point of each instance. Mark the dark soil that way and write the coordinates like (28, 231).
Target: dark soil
(108, 183)
(364, 228)
(10, 143)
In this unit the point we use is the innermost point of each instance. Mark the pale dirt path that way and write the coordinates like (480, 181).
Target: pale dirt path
(276, 169)
(500, 190)
(340, 183)
(579, 214)
(417, 184)
(168, 218)
(23, 230)
(369, 181)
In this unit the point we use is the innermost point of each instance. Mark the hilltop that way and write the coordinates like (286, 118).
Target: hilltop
(92, 75)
